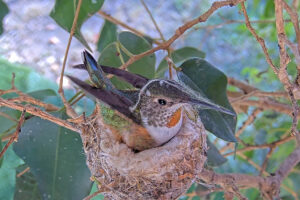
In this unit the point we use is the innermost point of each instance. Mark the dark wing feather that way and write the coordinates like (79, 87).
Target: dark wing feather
(114, 100)
(136, 80)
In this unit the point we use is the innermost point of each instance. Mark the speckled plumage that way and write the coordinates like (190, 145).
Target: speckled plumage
(154, 110)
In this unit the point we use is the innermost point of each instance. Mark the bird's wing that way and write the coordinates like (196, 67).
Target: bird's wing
(109, 97)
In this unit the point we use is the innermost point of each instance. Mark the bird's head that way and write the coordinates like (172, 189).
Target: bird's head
(161, 104)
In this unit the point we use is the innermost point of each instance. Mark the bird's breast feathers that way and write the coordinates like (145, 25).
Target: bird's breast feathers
(162, 134)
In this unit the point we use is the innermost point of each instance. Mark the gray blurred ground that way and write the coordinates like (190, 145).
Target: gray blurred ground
(33, 38)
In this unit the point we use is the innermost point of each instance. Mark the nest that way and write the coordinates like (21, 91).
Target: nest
(164, 172)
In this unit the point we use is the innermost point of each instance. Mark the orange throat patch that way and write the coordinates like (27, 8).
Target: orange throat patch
(175, 118)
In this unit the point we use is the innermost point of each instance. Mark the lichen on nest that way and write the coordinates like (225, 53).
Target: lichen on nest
(164, 172)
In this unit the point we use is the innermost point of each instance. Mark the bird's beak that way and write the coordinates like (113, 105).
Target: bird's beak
(206, 104)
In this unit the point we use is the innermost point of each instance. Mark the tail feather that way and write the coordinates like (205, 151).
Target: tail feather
(96, 73)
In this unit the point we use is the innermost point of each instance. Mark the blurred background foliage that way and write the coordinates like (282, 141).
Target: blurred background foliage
(56, 159)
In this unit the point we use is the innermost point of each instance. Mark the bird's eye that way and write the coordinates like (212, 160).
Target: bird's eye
(162, 101)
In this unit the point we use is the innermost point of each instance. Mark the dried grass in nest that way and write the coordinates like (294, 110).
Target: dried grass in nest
(164, 172)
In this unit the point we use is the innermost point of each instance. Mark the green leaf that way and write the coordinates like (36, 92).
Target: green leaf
(95, 189)
(269, 9)
(26, 186)
(113, 56)
(136, 45)
(3, 12)
(42, 94)
(211, 83)
(64, 12)
(108, 35)
(26, 79)
(214, 158)
(178, 57)
(55, 157)
(110, 56)
(8, 174)
(1, 159)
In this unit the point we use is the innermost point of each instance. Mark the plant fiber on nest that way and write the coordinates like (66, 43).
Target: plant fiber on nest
(164, 172)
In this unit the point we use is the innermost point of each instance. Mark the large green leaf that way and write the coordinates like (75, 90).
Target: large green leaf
(1, 159)
(214, 158)
(26, 186)
(56, 159)
(8, 174)
(26, 79)
(178, 57)
(211, 83)
(42, 94)
(64, 11)
(136, 45)
(3, 12)
(108, 35)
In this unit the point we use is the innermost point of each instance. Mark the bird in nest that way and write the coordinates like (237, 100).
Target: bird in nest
(155, 108)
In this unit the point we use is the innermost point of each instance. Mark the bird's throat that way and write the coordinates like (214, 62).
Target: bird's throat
(175, 118)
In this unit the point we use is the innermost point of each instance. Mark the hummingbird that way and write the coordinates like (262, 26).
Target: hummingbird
(155, 108)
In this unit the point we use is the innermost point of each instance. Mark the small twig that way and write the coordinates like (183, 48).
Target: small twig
(69, 43)
(118, 22)
(13, 81)
(266, 160)
(23, 172)
(168, 58)
(266, 104)
(78, 99)
(69, 109)
(182, 29)
(259, 39)
(153, 20)
(5, 135)
(8, 117)
(220, 25)
(259, 93)
(170, 64)
(262, 146)
(15, 136)
(245, 124)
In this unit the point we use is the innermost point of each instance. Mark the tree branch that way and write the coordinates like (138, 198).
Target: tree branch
(16, 133)
(215, 6)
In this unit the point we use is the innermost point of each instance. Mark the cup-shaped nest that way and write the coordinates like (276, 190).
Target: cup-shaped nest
(164, 172)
